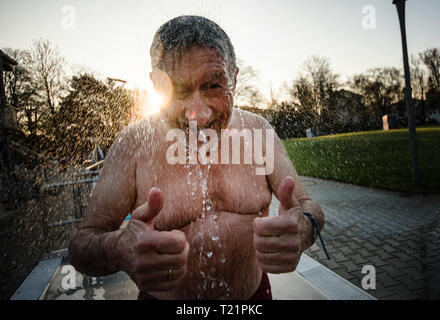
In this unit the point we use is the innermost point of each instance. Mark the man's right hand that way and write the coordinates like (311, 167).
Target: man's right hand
(148, 255)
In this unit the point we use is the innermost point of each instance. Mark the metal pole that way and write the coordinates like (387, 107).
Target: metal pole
(400, 6)
(4, 165)
(2, 94)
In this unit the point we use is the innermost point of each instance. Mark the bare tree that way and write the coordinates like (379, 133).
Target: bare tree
(20, 92)
(418, 78)
(46, 65)
(313, 93)
(379, 87)
(431, 59)
(316, 84)
(246, 91)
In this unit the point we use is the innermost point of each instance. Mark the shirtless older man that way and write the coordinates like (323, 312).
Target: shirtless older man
(196, 231)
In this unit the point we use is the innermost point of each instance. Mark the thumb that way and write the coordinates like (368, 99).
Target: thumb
(151, 208)
(285, 195)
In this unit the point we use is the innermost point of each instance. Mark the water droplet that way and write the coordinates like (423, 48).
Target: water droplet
(209, 254)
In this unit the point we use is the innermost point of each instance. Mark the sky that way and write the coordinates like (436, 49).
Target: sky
(113, 37)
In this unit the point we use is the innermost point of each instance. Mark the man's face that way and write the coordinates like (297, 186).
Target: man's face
(201, 88)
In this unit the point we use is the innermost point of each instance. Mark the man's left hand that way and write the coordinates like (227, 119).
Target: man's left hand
(280, 240)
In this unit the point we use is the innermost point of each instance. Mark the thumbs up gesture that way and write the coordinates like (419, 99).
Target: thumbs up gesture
(278, 240)
(154, 260)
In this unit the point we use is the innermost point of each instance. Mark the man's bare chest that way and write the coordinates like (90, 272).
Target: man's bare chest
(195, 191)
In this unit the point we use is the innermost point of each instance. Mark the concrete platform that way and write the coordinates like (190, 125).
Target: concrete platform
(52, 280)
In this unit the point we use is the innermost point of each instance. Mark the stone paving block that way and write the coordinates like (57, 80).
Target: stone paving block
(389, 248)
(351, 234)
(411, 244)
(434, 261)
(351, 267)
(343, 238)
(366, 253)
(339, 244)
(331, 249)
(378, 262)
(383, 293)
(410, 283)
(402, 256)
(392, 242)
(321, 255)
(339, 257)
(403, 292)
(370, 247)
(358, 259)
(375, 241)
(345, 250)
(417, 264)
(386, 280)
(415, 274)
(383, 255)
(392, 271)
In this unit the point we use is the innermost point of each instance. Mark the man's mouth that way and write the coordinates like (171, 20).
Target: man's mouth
(184, 125)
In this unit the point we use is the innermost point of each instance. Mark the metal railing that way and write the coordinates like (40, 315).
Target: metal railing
(62, 206)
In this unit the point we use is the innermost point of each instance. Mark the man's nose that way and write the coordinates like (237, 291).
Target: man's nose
(197, 110)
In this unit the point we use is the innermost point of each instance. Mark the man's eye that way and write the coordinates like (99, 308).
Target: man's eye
(214, 90)
(181, 92)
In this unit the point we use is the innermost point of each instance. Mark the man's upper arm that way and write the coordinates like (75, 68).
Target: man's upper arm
(115, 192)
(283, 167)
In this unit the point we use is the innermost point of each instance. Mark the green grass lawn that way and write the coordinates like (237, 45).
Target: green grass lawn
(379, 159)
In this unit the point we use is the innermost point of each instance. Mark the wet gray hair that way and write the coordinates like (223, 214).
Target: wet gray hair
(185, 32)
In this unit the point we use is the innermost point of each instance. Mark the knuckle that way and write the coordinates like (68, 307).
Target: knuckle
(138, 265)
(257, 242)
(181, 272)
(142, 244)
(291, 246)
(139, 245)
(259, 226)
(181, 260)
(291, 226)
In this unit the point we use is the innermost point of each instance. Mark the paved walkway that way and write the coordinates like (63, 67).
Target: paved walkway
(399, 235)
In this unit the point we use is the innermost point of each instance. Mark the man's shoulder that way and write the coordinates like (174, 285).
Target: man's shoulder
(251, 120)
(135, 135)
(139, 130)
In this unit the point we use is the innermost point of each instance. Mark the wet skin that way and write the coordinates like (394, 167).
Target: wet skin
(209, 224)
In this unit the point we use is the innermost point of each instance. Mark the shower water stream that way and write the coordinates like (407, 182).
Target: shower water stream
(208, 218)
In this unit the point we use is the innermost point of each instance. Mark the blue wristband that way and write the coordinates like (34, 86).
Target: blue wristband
(316, 228)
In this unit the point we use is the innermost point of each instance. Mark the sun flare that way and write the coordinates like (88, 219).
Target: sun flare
(151, 103)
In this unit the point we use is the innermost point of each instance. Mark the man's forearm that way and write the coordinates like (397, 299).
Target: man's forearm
(93, 252)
